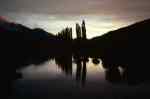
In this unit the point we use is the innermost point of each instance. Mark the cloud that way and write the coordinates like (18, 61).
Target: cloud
(96, 25)
(53, 15)
(77, 6)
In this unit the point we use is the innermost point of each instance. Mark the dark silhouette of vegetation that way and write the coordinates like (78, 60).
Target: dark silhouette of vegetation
(83, 30)
(113, 75)
(81, 68)
(65, 34)
(78, 31)
(65, 63)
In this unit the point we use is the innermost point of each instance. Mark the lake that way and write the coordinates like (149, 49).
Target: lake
(76, 78)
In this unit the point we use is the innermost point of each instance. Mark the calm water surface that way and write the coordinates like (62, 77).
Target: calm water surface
(78, 79)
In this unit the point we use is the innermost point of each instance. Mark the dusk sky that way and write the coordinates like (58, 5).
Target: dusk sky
(101, 16)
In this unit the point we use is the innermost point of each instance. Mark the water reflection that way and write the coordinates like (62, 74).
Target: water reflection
(65, 63)
(74, 67)
(65, 71)
(96, 61)
(81, 70)
(82, 67)
(113, 75)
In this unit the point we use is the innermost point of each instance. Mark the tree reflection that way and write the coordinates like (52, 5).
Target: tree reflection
(65, 63)
(84, 72)
(113, 75)
(78, 70)
(81, 69)
(95, 61)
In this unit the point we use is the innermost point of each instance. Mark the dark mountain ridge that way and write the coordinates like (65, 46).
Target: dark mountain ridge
(128, 45)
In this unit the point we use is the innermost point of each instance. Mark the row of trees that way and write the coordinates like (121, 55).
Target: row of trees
(66, 34)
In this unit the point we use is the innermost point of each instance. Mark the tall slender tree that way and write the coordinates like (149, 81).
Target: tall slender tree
(83, 30)
(70, 32)
(78, 31)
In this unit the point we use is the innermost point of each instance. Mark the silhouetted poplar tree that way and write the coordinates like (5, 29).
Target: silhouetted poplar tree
(83, 30)
(78, 31)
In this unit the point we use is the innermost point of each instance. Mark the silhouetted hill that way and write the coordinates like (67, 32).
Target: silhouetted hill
(20, 46)
(139, 30)
(125, 45)
(20, 43)
(19, 30)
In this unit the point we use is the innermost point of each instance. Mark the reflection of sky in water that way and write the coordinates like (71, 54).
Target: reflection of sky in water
(96, 24)
(47, 80)
(49, 70)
